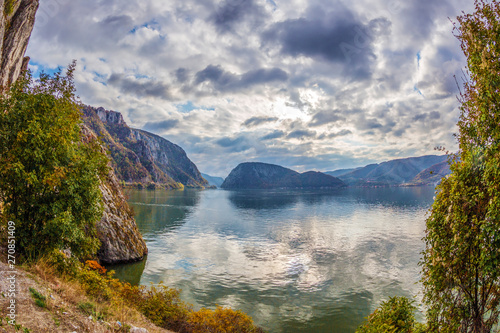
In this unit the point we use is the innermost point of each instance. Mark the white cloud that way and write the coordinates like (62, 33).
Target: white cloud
(142, 58)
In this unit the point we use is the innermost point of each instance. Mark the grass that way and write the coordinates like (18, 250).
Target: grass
(40, 299)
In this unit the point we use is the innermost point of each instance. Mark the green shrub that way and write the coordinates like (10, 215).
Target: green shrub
(393, 316)
(39, 298)
(95, 284)
(163, 306)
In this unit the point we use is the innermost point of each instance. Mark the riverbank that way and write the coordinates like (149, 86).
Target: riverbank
(66, 307)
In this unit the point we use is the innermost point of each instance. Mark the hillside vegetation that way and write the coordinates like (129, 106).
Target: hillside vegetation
(254, 175)
(142, 157)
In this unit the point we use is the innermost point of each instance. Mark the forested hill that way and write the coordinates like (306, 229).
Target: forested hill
(254, 175)
(142, 157)
(397, 172)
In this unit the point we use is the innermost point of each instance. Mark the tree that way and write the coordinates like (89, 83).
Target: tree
(461, 275)
(49, 173)
(393, 316)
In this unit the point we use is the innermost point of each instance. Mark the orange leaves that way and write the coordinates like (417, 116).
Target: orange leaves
(94, 265)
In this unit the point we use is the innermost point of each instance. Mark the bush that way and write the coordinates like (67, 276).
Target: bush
(164, 308)
(221, 320)
(393, 316)
(94, 265)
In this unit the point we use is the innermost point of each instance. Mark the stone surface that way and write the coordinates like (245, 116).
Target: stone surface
(140, 156)
(120, 238)
(18, 19)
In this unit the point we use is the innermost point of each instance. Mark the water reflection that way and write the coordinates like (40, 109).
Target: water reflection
(315, 261)
(130, 273)
(162, 210)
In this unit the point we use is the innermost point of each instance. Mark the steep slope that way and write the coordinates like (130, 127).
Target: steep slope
(433, 174)
(213, 181)
(394, 172)
(120, 238)
(140, 156)
(255, 175)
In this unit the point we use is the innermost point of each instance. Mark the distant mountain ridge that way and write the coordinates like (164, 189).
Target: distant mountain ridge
(213, 181)
(433, 174)
(256, 175)
(142, 157)
(396, 172)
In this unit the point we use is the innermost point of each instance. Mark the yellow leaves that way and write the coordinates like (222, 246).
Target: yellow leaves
(220, 320)
(53, 179)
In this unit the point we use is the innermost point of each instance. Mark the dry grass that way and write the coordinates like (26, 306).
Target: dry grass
(63, 312)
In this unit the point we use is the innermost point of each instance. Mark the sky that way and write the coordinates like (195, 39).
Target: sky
(309, 85)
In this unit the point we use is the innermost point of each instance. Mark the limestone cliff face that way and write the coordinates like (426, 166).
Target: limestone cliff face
(120, 239)
(140, 156)
(18, 18)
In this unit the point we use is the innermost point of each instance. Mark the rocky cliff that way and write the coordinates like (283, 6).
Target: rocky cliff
(120, 239)
(15, 29)
(140, 156)
(266, 176)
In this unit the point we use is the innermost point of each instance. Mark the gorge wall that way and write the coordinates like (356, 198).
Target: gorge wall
(16, 24)
(142, 157)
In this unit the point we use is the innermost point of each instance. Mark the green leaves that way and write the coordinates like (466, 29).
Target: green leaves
(393, 316)
(49, 175)
(460, 271)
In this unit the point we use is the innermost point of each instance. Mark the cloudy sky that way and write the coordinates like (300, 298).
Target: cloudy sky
(310, 85)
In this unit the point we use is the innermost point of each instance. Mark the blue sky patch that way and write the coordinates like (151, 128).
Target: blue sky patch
(189, 106)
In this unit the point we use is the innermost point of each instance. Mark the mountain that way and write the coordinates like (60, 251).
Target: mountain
(394, 172)
(255, 175)
(213, 181)
(433, 174)
(340, 172)
(142, 157)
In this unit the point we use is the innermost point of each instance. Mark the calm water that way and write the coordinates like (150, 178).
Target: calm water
(296, 261)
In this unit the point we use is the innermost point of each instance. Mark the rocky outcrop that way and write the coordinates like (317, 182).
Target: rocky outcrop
(18, 19)
(254, 175)
(142, 157)
(120, 238)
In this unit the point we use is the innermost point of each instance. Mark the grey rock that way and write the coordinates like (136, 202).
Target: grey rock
(16, 25)
(140, 156)
(117, 230)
